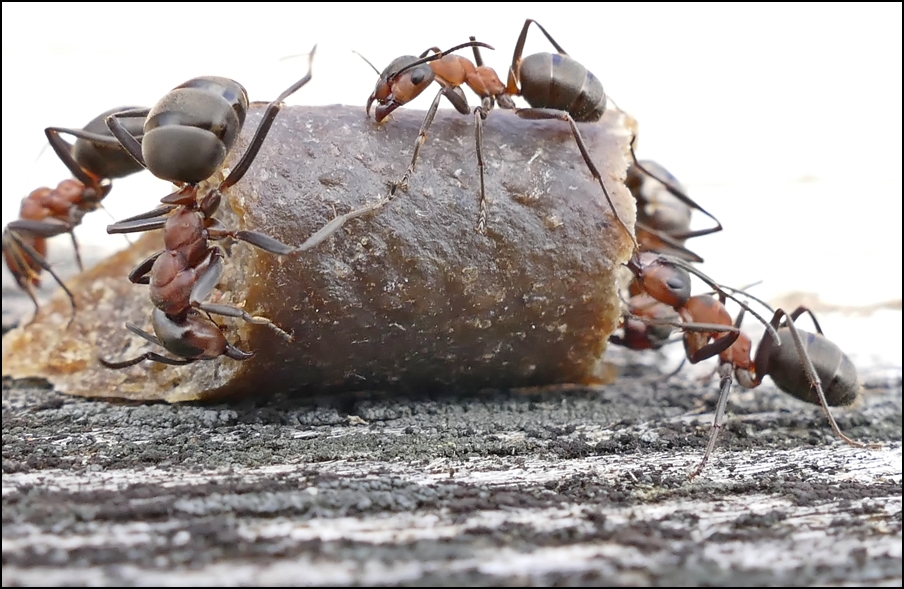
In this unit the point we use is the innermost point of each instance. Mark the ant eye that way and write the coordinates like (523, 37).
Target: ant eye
(417, 78)
(675, 283)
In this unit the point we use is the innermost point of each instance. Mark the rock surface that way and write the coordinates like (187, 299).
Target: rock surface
(584, 486)
(406, 297)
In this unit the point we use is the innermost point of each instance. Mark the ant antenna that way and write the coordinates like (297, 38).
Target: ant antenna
(440, 55)
(367, 61)
(112, 218)
(293, 56)
(725, 291)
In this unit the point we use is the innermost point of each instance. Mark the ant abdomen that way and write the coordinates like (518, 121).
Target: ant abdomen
(104, 161)
(555, 81)
(190, 130)
(836, 372)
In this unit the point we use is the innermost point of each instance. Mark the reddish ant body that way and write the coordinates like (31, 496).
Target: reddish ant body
(799, 362)
(187, 136)
(46, 212)
(555, 85)
(408, 76)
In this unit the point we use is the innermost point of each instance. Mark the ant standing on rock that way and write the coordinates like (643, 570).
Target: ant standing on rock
(187, 136)
(555, 85)
(805, 365)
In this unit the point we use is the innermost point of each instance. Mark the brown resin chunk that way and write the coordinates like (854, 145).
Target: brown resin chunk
(407, 297)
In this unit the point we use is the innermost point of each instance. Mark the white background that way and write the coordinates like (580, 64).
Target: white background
(783, 120)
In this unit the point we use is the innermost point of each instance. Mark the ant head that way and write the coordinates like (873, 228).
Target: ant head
(664, 281)
(401, 82)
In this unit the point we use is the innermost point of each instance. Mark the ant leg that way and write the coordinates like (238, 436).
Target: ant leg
(418, 143)
(32, 254)
(236, 354)
(725, 373)
(46, 230)
(141, 273)
(513, 79)
(147, 355)
(800, 311)
(674, 191)
(675, 372)
(229, 311)
(206, 283)
(709, 350)
(548, 113)
(812, 376)
(21, 270)
(216, 231)
(43, 229)
(676, 247)
(148, 221)
(479, 114)
(152, 356)
(331, 227)
(78, 254)
(63, 149)
(274, 246)
(137, 226)
(264, 127)
(158, 212)
(125, 138)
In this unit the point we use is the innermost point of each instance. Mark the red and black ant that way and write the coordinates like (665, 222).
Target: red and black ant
(805, 365)
(555, 85)
(408, 76)
(46, 212)
(187, 136)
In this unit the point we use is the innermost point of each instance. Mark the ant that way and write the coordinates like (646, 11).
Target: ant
(664, 210)
(799, 362)
(46, 212)
(187, 136)
(407, 77)
(555, 86)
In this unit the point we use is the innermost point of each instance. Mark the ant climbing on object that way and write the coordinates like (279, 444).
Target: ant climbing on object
(799, 362)
(187, 136)
(408, 76)
(663, 211)
(47, 212)
(555, 85)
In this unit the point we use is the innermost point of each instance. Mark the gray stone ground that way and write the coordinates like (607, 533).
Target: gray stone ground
(574, 486)
(568, 486)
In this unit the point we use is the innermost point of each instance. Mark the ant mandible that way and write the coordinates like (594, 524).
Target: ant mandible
(799, 362)
(46, 212)
(187, 136)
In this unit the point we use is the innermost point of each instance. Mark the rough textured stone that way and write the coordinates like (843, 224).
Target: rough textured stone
(409, 296)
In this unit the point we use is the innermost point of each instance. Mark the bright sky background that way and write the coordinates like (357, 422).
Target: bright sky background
(784, 120)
